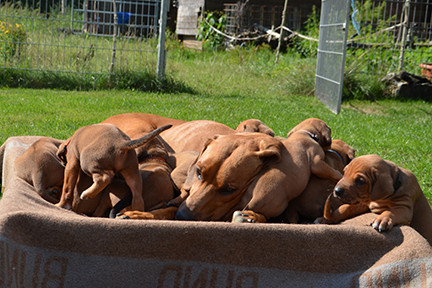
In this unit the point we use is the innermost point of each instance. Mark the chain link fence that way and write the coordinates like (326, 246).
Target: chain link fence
(83, 36)
(390, 36)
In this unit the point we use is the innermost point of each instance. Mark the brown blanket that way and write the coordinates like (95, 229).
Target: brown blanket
(45, 246)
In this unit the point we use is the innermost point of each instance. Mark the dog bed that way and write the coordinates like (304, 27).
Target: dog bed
(45, 246)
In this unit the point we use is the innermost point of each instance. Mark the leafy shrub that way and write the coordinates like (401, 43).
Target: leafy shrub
(12, 38)
(304, 47)
(208, 35)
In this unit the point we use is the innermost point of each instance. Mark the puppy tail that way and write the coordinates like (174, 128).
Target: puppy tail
(143, 140)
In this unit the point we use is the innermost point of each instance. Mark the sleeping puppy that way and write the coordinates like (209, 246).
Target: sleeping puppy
(102, 151)
(175, 177)
(254, 173)
(40, 167)
(310, 204)
(254, 125)
(371, 183)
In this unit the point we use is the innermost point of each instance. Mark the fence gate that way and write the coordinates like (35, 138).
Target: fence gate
(331, 52)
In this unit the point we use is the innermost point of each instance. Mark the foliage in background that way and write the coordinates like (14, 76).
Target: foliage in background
(307, 48)
(210, 38)
(140, 81)
(12, 38)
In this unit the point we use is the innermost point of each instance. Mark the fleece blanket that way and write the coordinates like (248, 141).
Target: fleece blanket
(45, 246)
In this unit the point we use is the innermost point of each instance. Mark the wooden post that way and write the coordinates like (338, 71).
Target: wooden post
(282, 33)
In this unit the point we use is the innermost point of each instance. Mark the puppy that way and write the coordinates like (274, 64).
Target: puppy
(136, 125)
(157, 188)
(371, 183)
(102, 151)
(317, 129)
(255, 173)
(254, 125)
(40, 167)
(166, 210)
(310, 204)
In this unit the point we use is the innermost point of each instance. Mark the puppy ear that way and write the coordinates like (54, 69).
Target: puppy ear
(383, 186)
(61, 153)
(269, 150)
(190, 176)
(350, 155)
(325, 139)
(208, 142)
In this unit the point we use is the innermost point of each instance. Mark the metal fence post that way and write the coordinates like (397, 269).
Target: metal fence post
(161, 61)
(404, 35)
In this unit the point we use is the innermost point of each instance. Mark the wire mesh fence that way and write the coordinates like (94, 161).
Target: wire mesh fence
(79, 35)
(390, 36)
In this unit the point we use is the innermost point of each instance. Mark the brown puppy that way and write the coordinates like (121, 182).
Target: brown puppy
(255, 172)
(316, 129)
(157, 188)
(310, 204)
(192, 135)
(102, 151)
(136, 125)
(371, 183)
(40, 167)
(254, 125)
(181, 161)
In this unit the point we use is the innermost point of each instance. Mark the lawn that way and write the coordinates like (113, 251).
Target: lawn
(230, 87)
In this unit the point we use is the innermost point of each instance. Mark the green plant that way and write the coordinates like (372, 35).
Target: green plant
(12, 39)
(207, 34)
(304, 47)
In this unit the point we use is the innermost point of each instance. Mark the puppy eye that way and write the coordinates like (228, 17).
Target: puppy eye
(228, 190)
(360, 181)
(198, 174)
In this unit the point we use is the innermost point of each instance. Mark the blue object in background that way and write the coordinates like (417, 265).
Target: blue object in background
(353, 18)
(123, 17)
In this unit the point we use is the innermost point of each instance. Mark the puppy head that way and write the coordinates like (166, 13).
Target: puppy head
(152, 149)
(316, 127)
(254, 125)
(367, 178)
(224, 170)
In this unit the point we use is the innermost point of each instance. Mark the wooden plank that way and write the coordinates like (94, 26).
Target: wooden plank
(193, 44)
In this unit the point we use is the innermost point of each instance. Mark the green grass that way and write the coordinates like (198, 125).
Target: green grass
(397, 131)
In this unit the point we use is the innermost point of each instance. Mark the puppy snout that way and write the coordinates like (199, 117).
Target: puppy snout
(338, 192)
(184, 213)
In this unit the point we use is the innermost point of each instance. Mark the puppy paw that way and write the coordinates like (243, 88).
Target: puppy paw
(135, 215)
(240, 217)
(247, 217)
(382, 223)
(320, 220)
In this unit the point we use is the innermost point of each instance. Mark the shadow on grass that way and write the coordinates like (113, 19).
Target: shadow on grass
(141, 81)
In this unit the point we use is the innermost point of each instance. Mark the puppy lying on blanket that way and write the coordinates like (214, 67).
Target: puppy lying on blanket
(371, 183)
(255, 172)
(102, 151)
(181, 161)
(254, 125)
(310, 204)
(40, 167)
(184, 135)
